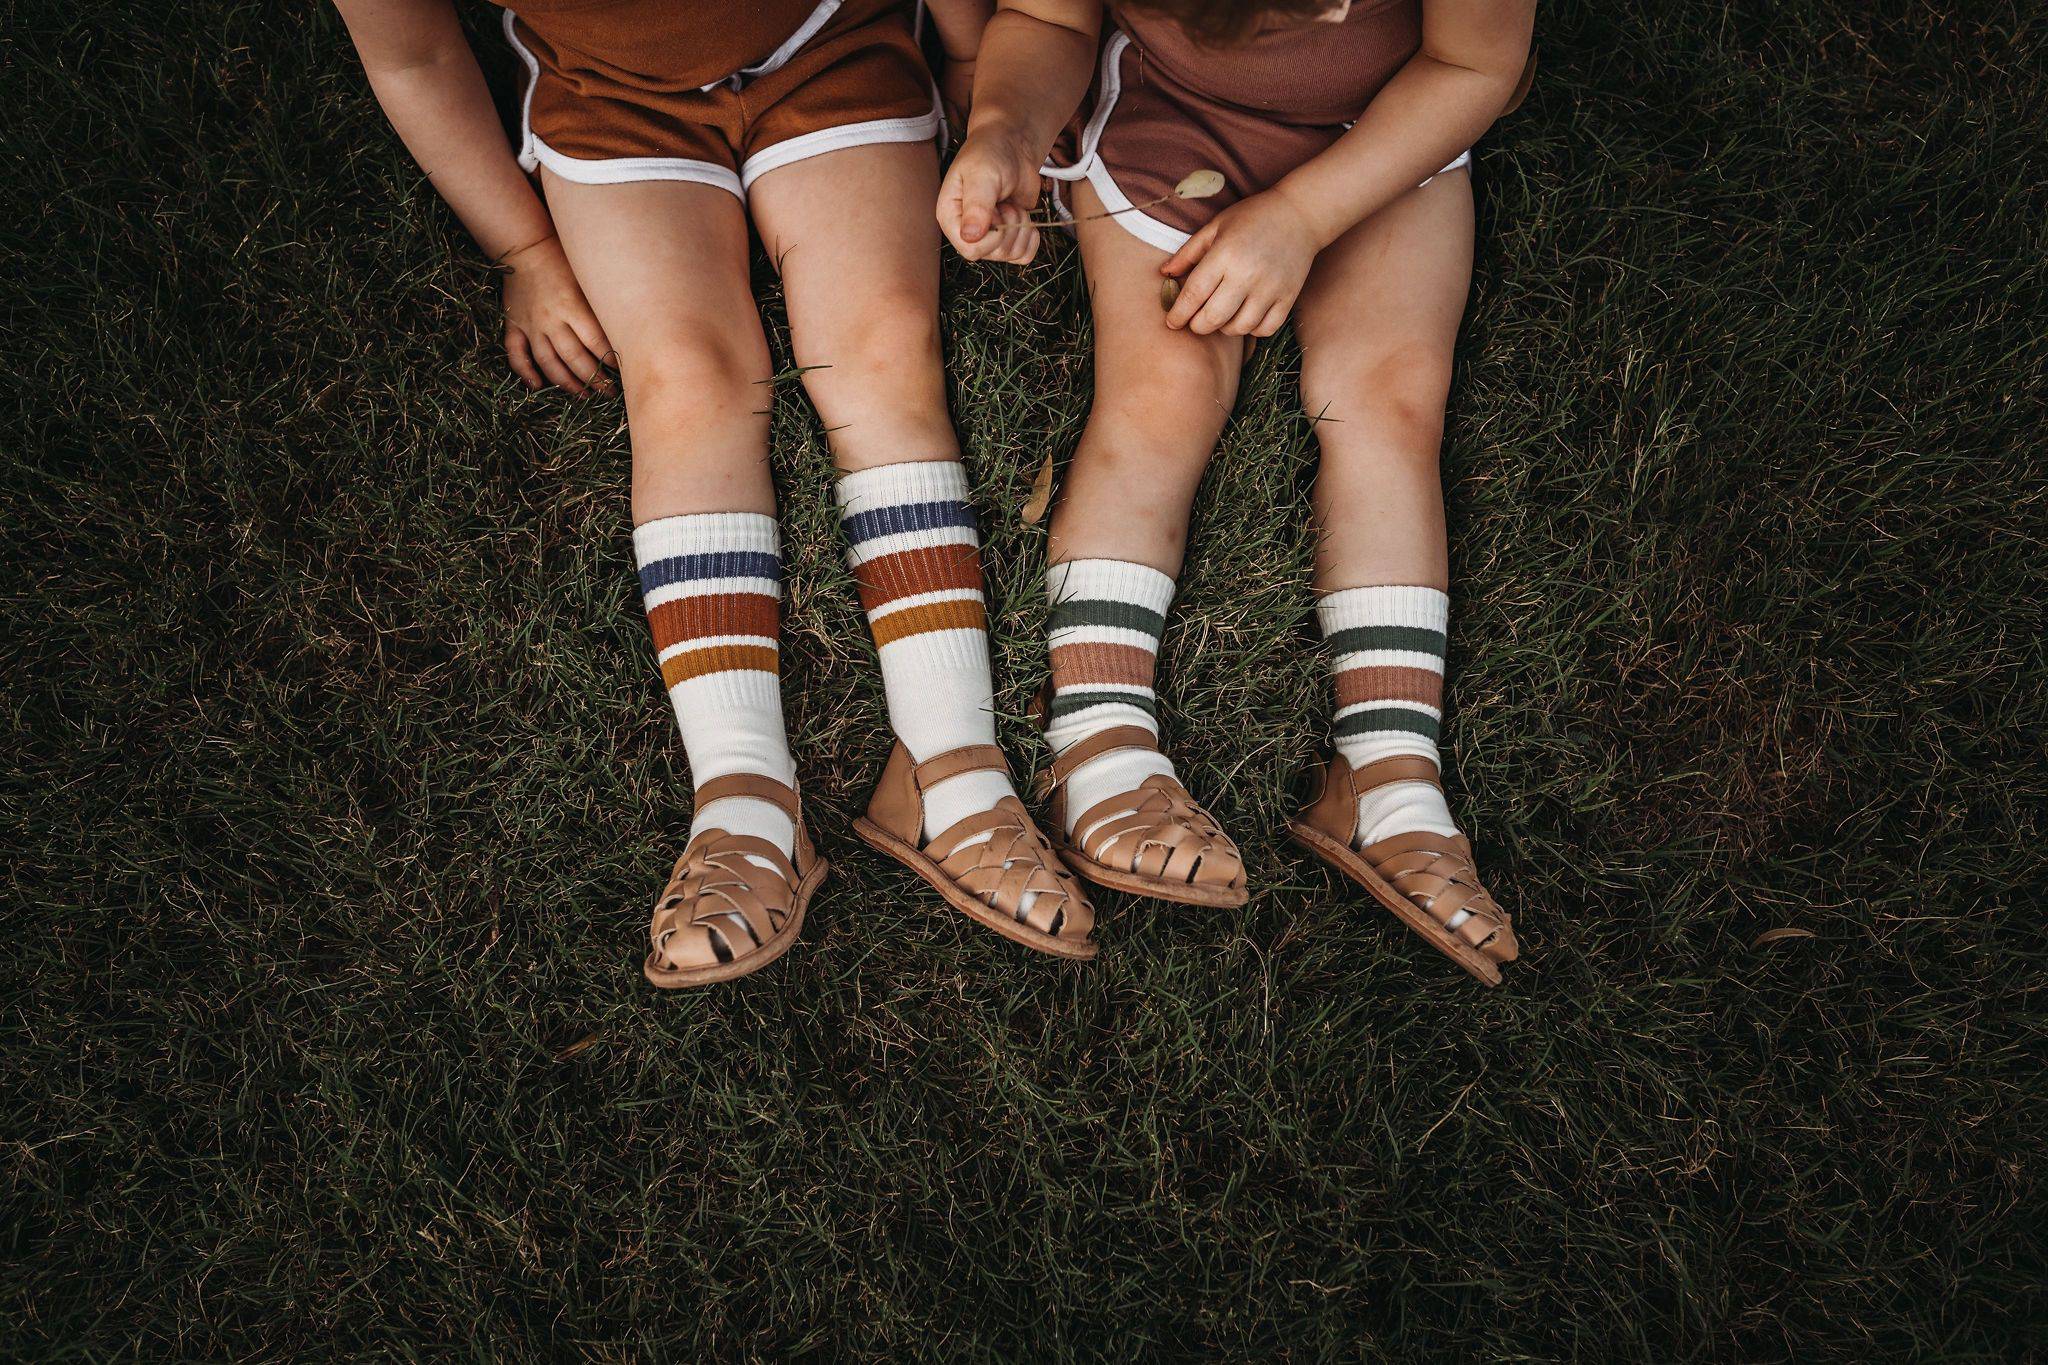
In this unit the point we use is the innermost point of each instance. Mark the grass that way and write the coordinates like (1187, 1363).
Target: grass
(338, 778)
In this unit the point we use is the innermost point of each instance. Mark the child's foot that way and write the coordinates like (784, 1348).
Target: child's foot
(1125, 820)
(1147, 839)
(735, 901)
(1426, 878)
(995, 866)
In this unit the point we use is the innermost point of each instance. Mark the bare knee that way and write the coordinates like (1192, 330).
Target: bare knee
(1389, 399)
(1176, 394)
(688, 374)
(891, 333)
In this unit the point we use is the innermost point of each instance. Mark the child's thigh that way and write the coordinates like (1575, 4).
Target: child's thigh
(853, 235)
(664, 266)
(1143, 368)
(1378, 317)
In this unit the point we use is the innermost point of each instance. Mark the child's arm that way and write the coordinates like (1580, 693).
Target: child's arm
(1245, 268)
(1036, 60)
(430, 87)
(960, 24)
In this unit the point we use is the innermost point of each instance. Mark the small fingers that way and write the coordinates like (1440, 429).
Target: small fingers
(551, 365)
(1220, 309)
(1275, 319)
(1194, 292)
(1249, 315)
(579, 359)
(520, 356)
(1191, 251)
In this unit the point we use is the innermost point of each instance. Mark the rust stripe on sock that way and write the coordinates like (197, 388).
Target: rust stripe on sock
(965, 615)
(693, 618)
(695, 663)
(1390, 683)
(907, 573)
(1085, 665)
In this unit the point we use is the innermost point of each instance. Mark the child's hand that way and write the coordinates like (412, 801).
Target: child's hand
(1244, 270)
(956, 91)
(986, 201)
(549, 328)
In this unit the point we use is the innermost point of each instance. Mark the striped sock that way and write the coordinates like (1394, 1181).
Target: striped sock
(913, 549)
(713, 588)
(1106, 619)
(1387, 651)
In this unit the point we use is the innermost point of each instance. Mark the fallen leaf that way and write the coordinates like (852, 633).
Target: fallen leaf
(1199, 185)
(1041, 494)
(1774, 935)
(581, 1045)
(1169, 290)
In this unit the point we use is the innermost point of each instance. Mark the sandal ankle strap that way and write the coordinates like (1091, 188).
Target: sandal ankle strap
(969, 758)
(1105, 741)
(755, 786)
(1397, 768)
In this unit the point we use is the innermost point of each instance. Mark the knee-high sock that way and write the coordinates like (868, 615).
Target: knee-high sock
(1106, 619)
(912, 545)
(1387, 651)
(713, 588)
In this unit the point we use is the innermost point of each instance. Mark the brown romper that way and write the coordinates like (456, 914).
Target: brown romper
(621, 90)
(1164, 105)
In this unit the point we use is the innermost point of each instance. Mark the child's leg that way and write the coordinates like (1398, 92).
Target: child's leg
(664, 265)
(1377, 321)
(1161, 400)
(853, 236)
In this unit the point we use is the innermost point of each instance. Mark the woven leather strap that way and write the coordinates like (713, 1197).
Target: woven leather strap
(721, 903)
(1437, 872)
(1012, 862)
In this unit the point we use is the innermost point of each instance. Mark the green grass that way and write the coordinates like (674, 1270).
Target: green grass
(339, 778)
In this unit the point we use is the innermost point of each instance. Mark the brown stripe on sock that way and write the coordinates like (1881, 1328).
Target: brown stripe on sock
(907, 573)
(1089, 664)
(724, 613)
(695, 663)
(961, 615)
(1390, 682)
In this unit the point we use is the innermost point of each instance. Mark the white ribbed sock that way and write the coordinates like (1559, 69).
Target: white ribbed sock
(1106, 619)
(713, 586)
(912, 546)
(1387, 653)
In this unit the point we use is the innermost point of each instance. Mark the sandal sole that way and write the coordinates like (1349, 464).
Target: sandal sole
(1336, 855)
(1131, 884)
(880, 840)
(778, 943)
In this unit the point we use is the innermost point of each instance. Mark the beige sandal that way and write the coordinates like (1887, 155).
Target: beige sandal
(1154, 841)
(1429, 880)
(987, 881)
(722, 914)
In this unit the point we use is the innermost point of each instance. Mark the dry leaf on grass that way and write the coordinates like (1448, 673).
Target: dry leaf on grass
(1041, 494)
(1199, 185)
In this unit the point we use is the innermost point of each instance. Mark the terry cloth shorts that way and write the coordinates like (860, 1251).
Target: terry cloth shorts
(848, 75)
(1144, 133)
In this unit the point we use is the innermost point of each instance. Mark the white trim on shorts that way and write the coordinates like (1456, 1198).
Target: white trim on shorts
(1088, 164)
(534, 153)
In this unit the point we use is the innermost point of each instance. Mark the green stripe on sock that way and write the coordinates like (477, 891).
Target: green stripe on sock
(1066, 703)
(1376, 718)
(1421, 639)
(1101, 612)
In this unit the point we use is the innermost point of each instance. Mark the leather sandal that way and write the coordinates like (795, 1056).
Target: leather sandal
(1429, 880)
(722, 914)
(1152, 841)
(987, 881)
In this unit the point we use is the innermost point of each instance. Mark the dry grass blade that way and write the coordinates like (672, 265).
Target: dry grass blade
(577, 1048)
(1775, 935)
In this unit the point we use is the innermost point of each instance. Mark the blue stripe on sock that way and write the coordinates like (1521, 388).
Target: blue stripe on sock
(908, 516)
(660, 573)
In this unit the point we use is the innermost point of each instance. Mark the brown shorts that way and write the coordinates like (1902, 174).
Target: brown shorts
(849, 75)
(1142, 132)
